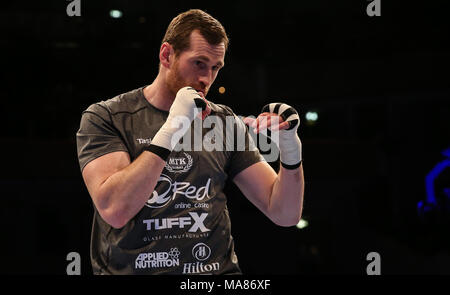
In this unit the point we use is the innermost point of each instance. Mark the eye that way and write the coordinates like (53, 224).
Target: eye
(200, 64)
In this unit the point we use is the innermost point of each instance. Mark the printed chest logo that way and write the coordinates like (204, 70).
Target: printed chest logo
(200, 252)
(195, 221)
(145, 141)
(158, 259)
(172, 189)
(180, 164)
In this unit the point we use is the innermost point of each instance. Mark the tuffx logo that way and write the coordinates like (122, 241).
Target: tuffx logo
(180, 163)
(180, 222)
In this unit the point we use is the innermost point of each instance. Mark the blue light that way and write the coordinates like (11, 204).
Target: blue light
(447, 192)
(446, 153)
(429, 181)
(431, 200)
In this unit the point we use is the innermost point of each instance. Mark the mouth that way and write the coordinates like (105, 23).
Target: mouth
(201, 92)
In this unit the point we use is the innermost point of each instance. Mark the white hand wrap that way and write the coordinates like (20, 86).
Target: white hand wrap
(186, 106)
(289, 143)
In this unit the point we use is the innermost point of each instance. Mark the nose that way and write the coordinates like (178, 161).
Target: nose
(202, 86)
(206, 79)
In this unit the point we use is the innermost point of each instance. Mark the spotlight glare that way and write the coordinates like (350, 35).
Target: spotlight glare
(312, 116)
(222, 90)
(302, 224)
(115, 13)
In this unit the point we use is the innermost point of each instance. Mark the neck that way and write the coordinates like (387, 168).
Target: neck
(158, 95)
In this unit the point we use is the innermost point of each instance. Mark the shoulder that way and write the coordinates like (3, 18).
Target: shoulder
(128, 102)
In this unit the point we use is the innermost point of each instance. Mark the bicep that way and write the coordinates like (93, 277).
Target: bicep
(256, 183)
(96, 172)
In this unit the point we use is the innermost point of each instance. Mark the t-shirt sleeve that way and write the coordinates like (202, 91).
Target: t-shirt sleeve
(97, 135)
(243, 158)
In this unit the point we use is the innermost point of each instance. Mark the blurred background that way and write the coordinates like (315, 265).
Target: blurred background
(373, 94)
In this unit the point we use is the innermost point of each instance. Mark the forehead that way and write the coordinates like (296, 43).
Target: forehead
(200, 46)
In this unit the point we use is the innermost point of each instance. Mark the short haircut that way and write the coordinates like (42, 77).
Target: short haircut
(180, 28)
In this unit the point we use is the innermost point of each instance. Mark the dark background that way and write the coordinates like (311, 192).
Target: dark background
(380, 86)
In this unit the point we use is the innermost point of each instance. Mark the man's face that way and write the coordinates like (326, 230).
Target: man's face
(196, 66)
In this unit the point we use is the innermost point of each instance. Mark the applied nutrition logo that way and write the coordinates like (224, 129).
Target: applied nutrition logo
(158, 259)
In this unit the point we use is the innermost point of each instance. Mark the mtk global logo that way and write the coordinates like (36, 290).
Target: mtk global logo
(179, 164)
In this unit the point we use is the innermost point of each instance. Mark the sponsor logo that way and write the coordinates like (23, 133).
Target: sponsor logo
(179, 164)
(182, 205)
(180, 222)
(201, 251)
(199, 267)
(158, 259)
(171, 190)
(188, 236)
(185, 235)
(144, 140)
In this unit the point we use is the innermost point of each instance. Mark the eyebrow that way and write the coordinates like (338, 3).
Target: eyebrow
(205, 58)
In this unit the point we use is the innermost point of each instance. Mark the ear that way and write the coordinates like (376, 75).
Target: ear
(166, 54)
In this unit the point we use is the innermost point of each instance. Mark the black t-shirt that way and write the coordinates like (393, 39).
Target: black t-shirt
(184, 228)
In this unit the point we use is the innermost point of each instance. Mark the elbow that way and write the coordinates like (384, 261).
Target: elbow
(111, 213)
(114, 217)
(286, 222)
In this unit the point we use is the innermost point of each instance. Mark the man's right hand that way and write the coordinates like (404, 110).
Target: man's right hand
(119, 188)
(187, 105)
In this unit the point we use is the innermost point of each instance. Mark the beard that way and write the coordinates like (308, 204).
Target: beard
(175, 81)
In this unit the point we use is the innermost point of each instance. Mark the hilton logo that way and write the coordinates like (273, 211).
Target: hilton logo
(201, 252)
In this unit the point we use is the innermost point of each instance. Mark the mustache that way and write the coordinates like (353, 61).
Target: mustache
(203, 90)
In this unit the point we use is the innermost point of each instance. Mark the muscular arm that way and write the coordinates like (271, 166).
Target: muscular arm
(278, 196)
(118, 188)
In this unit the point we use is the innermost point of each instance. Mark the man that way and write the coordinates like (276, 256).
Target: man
(161, 210)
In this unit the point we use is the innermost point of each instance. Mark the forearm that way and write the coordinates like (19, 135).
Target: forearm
(286, 200)
(125, 192)
(119, 188)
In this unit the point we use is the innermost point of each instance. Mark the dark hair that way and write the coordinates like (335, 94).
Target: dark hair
(180, 28)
